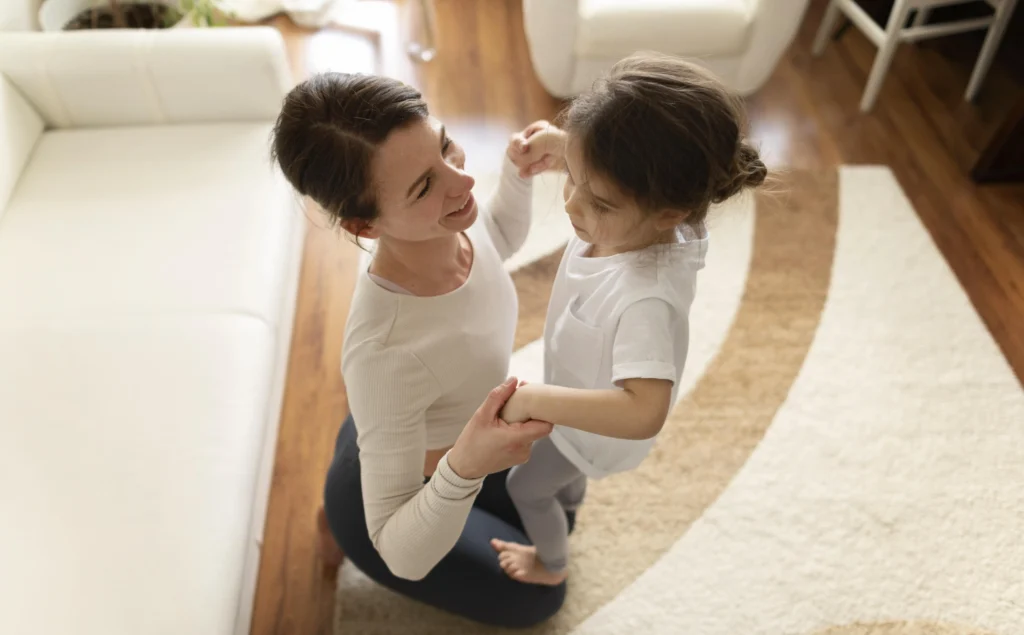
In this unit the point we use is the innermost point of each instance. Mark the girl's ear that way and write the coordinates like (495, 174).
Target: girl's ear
(669, 218)
(360, 228)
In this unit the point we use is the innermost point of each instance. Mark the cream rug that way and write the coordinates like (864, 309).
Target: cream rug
(847, 457)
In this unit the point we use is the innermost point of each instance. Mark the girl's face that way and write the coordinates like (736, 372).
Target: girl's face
(601, 214)
(423, 192)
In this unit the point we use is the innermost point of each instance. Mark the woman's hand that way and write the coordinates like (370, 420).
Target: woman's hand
(517, 408)
(488, 444)
(539, 147)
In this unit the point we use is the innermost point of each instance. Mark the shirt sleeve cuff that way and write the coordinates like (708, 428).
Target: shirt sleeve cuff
(644, 370)
(450, 485)
(510, 173)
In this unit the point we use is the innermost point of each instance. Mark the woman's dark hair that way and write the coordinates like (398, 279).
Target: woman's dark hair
(667, 133)
(328, 130)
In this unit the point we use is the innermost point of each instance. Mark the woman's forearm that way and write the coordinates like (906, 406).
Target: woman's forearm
(507, 212)
(414, 536)
(637, 411)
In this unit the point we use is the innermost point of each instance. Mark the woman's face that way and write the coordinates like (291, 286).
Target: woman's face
(422, 191)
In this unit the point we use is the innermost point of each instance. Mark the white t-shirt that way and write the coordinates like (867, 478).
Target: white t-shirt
(619, 317)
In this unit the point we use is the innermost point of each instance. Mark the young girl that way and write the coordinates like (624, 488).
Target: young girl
(647, 152)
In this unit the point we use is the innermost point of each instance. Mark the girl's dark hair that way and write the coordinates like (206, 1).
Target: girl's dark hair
(328, 130)
(667, 133)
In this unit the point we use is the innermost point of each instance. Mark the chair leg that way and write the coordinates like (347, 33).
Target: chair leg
(828, 24)
(897, 19)
(989, 48)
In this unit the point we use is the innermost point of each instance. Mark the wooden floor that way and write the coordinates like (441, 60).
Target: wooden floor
(482, 85)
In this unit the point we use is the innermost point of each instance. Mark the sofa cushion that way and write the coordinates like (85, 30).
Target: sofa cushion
(129, 451)
(19, 15)
(136, 221)
(616, 28)
(20, 128)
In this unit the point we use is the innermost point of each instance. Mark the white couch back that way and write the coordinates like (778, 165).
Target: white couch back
(20, 128)
(19, 15)
(131, 77)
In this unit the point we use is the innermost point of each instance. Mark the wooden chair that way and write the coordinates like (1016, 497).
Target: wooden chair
(895, 32)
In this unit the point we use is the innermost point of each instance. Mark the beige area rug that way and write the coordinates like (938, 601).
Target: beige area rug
(847, 456)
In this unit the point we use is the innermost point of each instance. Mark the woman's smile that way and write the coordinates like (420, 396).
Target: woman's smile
(467, 208)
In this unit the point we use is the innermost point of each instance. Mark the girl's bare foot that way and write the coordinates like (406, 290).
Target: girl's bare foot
(328, 549)
(520, 563)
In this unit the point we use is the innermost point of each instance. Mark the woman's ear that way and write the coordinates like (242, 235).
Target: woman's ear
(670, 218)
(360, 228)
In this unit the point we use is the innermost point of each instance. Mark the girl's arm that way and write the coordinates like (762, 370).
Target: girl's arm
(644, 369)
(636, 411)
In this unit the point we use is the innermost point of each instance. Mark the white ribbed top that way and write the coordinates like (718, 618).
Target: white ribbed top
(416, 369)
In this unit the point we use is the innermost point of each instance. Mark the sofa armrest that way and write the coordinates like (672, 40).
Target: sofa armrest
(775, 23)
(551, 27)
(20, 129)
(125, 77)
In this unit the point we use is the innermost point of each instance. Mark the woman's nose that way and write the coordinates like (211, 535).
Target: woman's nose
(461, 184)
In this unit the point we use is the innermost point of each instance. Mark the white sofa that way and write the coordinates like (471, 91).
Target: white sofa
(149, 255)
(573, 42)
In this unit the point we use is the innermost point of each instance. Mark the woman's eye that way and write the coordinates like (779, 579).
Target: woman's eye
(444, 146)
(426, 188)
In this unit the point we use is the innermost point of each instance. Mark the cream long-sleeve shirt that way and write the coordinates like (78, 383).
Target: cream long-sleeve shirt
(416, 369)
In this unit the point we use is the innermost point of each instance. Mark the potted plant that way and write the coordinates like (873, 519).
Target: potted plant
(66, 15)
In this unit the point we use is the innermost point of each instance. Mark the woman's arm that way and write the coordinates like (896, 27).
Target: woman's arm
(412, 526)
(539, 147)
(636, 411)
(508, 211)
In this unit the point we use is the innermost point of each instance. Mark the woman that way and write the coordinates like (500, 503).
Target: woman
(416, 489)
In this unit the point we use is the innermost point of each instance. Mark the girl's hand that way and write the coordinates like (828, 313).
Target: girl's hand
(488, 444)
(517, 407)
(539, 147)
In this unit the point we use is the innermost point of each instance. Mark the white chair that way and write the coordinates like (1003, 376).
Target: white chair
(895, 32)
(574, 42)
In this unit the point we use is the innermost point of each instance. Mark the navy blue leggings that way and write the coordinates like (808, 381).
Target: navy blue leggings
(468, 581)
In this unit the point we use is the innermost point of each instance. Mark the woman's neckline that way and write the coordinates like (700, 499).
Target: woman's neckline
(393, 288)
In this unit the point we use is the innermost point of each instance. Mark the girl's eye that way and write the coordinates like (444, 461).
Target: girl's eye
(447, 144)
(600, 209)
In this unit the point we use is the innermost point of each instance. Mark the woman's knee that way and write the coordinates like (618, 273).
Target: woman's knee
(535, 607)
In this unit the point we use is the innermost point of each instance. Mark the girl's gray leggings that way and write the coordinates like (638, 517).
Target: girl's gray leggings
(543, 490)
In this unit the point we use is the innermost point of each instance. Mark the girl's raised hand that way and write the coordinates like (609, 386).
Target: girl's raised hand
(538, 147)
